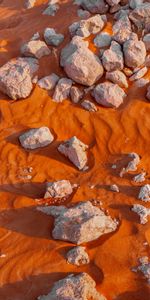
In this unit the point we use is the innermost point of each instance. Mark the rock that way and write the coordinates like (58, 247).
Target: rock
(78, 256)
(74, 287)
(144, 194)
(148, 93)
(114, 188)
(146, 41)
(139, 178)
(48, 82)
(135, 3)
(79, 224)
(95, 6)
(115, 8)
(140, 15)
(52, 38)
(121, 14)
(132, 165)
(122, 30)
(58, 189)
(75, 150)
(16, 77)
(142, 211)
(86, 104)
(80, 63)
(117, 77)
(62, 90)
(76, 94)
(84, 14)
(36, 138)
(128, 72)
(112, 58)
(35, 37)
(134, 53)
(141, 82)
(112, 2)
(109, 94)
(29, 3)
(36, 49)
(102, 40)
(139, 74)
(144, 267)
(51, 10)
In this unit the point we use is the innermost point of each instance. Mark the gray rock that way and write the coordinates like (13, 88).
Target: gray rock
(146, 41)
(117, 77)
(103, 40)
(35, 48)
(112, 58)
(52, 38)
(48, 82)
(29, 3)
(36, 138)
(135, 3)
(122, 30)
(51, 10)
(134, 53)
(84, 14)
(58, 189)
(76, 94)
(78, 256)
(95, 6)
(139, 177)
(62, 90)
(140, 16)
(142, 211)
(132, 165)
(144, 194)
(88, 105)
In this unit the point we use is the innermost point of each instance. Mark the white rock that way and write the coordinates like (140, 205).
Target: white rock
(48, 82)
(114, 188)
(62, 90)
(78, 256)
(139, 178)
(142, 211)
(132, 165)
(29, 3)
(112, 58)
(144, 194)
(52, 38)
(117, 77)
(36, 138)
(35, 48)
(139, 74)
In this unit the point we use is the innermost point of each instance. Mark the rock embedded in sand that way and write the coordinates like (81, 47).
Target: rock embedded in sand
(29, 3)
(144, 267)
(132, 165)
(112, 58)
(142, 211)
(74, 287)
(103, 40)
(78, 256)
(58, 189)
(62, 90)
(134, 53)
(95, 6)
(36, 138)
(114, 188)
(79, 224)
(52, 9)
(117, 77)
(76, 94)
(52, 38)
(35, 48)
(48, 82)
(75, 150)
(122, 30)
(144, 194)
(109, 94)
(89, 106)
(16, 77)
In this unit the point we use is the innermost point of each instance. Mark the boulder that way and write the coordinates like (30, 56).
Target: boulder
(52, 38)
(35, 48)
(62, 90)
(95, 6)
(142, 211)
(134, 53)
(134, 160)
(144, 194)
(103, 40)
(36, 138)
(58, 189)
(122, 30)
(48, 82)
(78, 256)
(117, 77)
(112, 58)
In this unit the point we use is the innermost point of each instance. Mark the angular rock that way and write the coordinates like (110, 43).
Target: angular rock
(16, 77)
(132, 165)
(78, 256)
(146, 41)
(139, 178)
(109, 94)
(75, 150)
(140, 16)
(114, 188)
(84, 14)
(29, 3)
(121, 14)
(51, 10)
(36, 138)
(95, 6)
(88, 105)
(144, 194)
(122, 30)
(103, 40)
(74, 287)
(117, 77)
(35, 48)
(112, 58)
(139, 74)
(79, 224)
(58, 189)
(48, 82)
(113, 2)
(134, 53)
(76, 94)
(142, 211)
(52, 38)
(62, 90)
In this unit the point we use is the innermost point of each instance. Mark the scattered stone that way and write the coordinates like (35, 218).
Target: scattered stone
(36, 49)
(109, 94)
(52, 38)
(36, 138)
(146, 41)
(139, 74)
(117, 77)
(114, 188)
(140, 15)
(112, 58)
(121, 14)
(140, 177)
(134, 53)
(84, 14)
(48, 82)
(88, 105)
(103, 40)
(122, 30)
(75, 150)
(114, 167)
(62, 90)
(29, 3)
(144, 194)
(144, 267)
(142, 211)
(35, 37)
(79, 224)
(16, 77)
(74, 287)
(95, 6)
(58, 189)
(76, 94)
(51, 10)
(148, 93)
(78, 256)
(132, 165)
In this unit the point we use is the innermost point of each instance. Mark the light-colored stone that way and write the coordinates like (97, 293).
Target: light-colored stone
(134, 53)
(76, 94)
(78, 256)
(62, 90)
(48, 82)
(146, 41)
(95, 6)
(35, 48)
(58, 189)
(36, 138)
(112, 58)
(139, 177)
(117, 77)
(132, 164)
(144, 194)
(103, 40)
(139, 74)
(52, 38)
(140, 16)
(51, 10)
(88, 105)
(122, 30)
(142, 211)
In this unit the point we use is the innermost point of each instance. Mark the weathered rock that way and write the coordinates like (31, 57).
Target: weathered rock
(140, 16)
(35, 48)
(134, 53)
(84, 14)
(48, 82)
(132, 165)
(122, 30)
(112, 58)
(88, 105)
(103, 40)
(135, 3)
(139, 178)
(80, 63)
(29, 3)
(36, 138)
(144, 267)
(79, 224)
(35, 37)
(114, 188)
(78, 256)
(144, 194)
(117, 77)
(16, 77)
(62, 90)
(128, 72)
(112, 2)
(148, 93)
(51, 10)
(58, 189)
(52, 38)
(146, 41)
(76, 94)
(147, 61)
(139, 74)
(109, 94)
(142, 211)
(95, 6)
(74, 287)
(75, 150)
(141, 82)
(122, 13)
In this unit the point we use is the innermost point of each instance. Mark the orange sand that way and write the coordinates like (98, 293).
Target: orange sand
(34, 261)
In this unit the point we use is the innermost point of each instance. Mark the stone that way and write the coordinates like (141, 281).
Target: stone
(62, 90)
(140, 16)
(141, 82)
(82, 13)
(79, 224)
(36, 138)
(139, 177)
(75, 150)
(76, 94)
(148, 93)
(132, 164)
(135, 3)
(74, 287)
(95, 6)
(16, 77)
(58, 189)
(139, 74)
(142, 211)
(113, 2)
(146, 41)
(122, 30)
(80, 63)
(144, 193)
(112, 58)
(103, 40)
(144, 267)
(88, 105)
(52, 38)
(78, 256)
(134, 53)
(35, 37)
(117, 77)
(29, 3)
(48, 82)
(51, 10)
(114, 188)
(109, 94)
(35, 48)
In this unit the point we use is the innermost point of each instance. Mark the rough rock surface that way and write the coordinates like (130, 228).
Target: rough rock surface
(74, 287)
(109, 94)
(142, 211)
(148, 93)
(132, 165)
(135, 3)
(139, 177)
(88, 105)
(103, 40)
(62, 90)
(78, 256)
(82, 13)
(75, 150)
(134, 53)
(29, 3)
(79, 224)
(139, 74)
(140, 16)
(36, 138)
(48, 82)
(114, 188)
(112, 58)
(144, 194)
(86, 27)
(76, 94)
(95, 6)
(35, 48)
(16, 77)
(146, 41)
(122, 30)
(117, 77)
(113, 2)
(58, 189)
(52, 38)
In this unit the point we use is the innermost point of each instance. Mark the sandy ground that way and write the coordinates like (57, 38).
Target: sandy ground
(34, 261)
